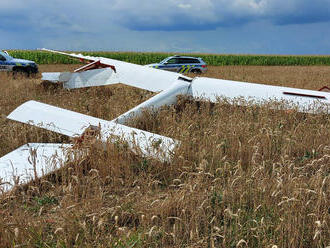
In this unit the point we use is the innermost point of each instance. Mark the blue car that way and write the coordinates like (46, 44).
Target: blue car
(182, 64)
(8, 63)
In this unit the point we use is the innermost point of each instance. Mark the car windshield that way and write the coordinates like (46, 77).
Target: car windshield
(6, 56)
(163, 61)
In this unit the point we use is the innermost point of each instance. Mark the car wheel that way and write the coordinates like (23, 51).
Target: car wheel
(31, 71)
(18, 70)
(196, 71)
(21, 71)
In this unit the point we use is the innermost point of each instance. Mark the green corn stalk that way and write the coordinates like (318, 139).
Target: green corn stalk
(143, 58)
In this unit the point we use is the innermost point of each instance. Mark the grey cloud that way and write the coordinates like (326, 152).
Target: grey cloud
(160, 15)
(140, 24)
(38, 15)
(210, 14)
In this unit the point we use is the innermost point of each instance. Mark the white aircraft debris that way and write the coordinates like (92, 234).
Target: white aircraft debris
(30, 162)
(104, 71)
(203, 88)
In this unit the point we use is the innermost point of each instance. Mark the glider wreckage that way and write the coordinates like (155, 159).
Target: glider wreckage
(36, 159)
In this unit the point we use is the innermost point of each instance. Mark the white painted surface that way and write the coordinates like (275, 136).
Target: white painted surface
(95, 77)
(134, 75)
(52, 118)
(166, 97)
(210, 89)
(56, 77)
(141, 76)
(74, 124)
(51, 76)
(30, 160)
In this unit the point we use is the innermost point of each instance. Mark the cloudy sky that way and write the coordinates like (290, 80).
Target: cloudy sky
(208, 26)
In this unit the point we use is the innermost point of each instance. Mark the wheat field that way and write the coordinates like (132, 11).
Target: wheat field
(242, 177)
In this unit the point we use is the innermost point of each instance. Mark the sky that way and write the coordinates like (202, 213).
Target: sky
(199, 26)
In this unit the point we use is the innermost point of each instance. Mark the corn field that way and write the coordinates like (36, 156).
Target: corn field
(41, 57)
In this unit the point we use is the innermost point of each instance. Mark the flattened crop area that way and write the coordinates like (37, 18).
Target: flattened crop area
(243, 176)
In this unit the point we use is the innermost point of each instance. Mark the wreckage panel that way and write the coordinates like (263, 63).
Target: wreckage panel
(74, 124)
(52, 118)
(134, 75)
(30, 161)
(305, 100)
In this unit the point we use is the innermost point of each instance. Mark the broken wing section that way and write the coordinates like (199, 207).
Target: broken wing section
(143, 77)
(134, 75)
(73, 55)
(308, 101)
(96, 77)
(166, 97)
(74, 124)
(54, 119)
(29, 162)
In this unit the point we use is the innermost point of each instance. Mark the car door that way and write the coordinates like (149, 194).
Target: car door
(185, 65)
(171, 65)
(3, 63)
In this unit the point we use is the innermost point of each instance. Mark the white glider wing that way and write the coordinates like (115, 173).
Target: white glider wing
(74, 124)
(134, 75)
(30, 161)
(305, 100)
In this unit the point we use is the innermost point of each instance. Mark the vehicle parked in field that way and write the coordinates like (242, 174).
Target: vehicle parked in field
(8, 63)
(182, 64)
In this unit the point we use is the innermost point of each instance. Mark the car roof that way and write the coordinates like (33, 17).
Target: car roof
(5, 55)
(186, 57)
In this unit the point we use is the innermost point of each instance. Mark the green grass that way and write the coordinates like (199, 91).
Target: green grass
(147, 58)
